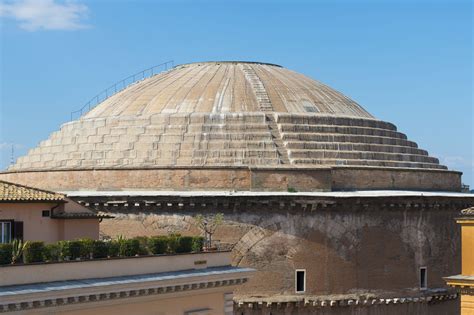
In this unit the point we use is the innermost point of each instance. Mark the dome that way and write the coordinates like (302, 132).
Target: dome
(227, 115)
(227, 87)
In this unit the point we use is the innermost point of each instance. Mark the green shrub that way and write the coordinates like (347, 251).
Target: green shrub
(173, 243)
(114, 248)
(198, 243)
(292, 190)
(143, 241)
(33, 252)
(6, 254)
(100, 249)
(64, 252)
(158, 244)
(51, 252)
(75, 249)
(130, 247)
(185, 244)
(86, 247)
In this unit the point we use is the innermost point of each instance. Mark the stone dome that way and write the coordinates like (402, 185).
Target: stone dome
(227, 87)
(226, 115)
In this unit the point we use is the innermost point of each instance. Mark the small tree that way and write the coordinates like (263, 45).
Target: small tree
(208, 224)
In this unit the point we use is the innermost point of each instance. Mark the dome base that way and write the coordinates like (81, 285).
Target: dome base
(240, 179)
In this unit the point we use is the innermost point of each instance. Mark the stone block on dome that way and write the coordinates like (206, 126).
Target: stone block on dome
(117, 131)
(109, 139)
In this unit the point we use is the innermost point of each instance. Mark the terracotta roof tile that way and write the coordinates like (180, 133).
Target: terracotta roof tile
(16, 192)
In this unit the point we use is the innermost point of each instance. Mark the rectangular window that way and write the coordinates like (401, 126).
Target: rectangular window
(423, 278)
(300, 279)
(5, 232)
(45, 213)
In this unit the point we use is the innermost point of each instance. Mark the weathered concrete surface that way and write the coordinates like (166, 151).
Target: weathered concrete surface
(355, 246)
(341, 250)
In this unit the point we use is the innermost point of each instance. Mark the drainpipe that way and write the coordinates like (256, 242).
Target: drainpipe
(52, 209)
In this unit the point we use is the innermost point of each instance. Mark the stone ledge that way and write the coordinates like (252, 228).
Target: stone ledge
(351, 301)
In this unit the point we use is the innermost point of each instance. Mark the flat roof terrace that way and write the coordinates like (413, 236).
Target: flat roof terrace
(62, 283)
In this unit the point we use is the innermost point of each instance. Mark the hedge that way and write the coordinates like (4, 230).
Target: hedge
(143, 241)
(82, 249)
(185, 244)
(114, 248)
(158, 245)
(100, 249)
(86, 248)
(173, 243)
(33, 252)
(52, 252)
(6, 251)
(130, 247)
(75, 249)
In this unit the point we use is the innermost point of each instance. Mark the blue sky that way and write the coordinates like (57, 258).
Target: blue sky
(407, 62)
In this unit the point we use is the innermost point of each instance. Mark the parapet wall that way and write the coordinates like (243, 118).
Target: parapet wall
(353, 178)
(103, 268)
(240, 178)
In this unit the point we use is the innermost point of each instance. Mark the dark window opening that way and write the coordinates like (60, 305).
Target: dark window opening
(18, 230)
(300, 280)
(45, 213)
(423, 278)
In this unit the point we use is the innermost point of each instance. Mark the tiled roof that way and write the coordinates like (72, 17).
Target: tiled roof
(15, 192)
(81, 215)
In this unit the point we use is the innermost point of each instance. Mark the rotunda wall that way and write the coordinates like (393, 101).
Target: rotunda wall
(240, 178)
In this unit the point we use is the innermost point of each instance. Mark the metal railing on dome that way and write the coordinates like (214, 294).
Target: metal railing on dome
(120, 86)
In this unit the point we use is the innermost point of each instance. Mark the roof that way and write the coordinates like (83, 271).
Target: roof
(15, 192)
(48, 287)
(80, 215)
(225, 193)
(460, 280)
